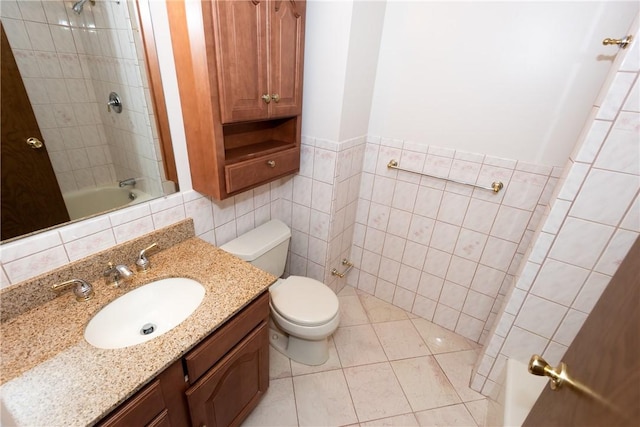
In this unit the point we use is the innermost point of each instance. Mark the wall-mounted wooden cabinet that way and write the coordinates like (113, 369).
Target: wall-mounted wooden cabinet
(259, 54)
(239, 66)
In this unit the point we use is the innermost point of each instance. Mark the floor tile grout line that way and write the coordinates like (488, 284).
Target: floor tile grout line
(449, 379)
(295, 401)
(390, 363)
(353, 404)
(393, 416)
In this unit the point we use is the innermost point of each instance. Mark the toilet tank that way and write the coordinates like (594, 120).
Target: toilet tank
(265, 247)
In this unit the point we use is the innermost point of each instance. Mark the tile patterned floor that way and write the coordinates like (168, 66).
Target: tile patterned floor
(386, 367)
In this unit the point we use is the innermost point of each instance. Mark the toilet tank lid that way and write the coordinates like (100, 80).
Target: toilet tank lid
(258, 241)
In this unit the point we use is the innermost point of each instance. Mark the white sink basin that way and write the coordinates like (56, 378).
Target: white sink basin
(144, 313)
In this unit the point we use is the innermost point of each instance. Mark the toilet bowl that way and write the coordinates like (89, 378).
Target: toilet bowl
(307, 311)
(304, 311)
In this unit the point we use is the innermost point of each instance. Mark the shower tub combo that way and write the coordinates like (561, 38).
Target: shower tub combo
(516, 396)
(92, 201)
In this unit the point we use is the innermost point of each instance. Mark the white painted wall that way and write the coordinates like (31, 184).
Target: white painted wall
(342, 44)
(362, 61)
(509, 79)
(328, 24)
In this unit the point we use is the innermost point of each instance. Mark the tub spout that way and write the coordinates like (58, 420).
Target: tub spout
(128, 181)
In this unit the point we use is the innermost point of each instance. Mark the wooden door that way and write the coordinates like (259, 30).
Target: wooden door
(240, 29)
(604, 356)
(233, 387)
(31, 198)
(286, 36)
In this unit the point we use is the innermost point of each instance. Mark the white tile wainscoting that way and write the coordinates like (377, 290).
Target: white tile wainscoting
(441, 250)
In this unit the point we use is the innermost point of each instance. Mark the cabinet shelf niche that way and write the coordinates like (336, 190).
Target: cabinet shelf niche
(245, 141)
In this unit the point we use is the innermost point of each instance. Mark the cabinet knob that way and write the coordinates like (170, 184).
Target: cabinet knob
(271, 163)
(266, 98)
(275, 97)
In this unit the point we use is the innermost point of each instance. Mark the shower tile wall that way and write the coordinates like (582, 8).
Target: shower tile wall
(441, 250)
(593, 220)
(70, 63)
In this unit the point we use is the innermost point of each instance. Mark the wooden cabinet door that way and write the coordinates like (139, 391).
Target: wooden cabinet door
(240, 29)
(286, 38)
(233, 387)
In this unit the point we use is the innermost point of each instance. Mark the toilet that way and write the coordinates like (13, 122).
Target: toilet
(304, 311)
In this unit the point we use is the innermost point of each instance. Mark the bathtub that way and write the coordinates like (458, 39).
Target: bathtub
(518, 393)
(91, 201)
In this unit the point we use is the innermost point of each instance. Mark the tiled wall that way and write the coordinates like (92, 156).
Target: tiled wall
(593, 220)
(324, 204)
(70, 63)
(319, 204)
(215, 222)
(444, 251)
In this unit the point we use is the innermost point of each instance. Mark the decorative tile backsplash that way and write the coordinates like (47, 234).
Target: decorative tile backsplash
(215, 222)
(22, 297)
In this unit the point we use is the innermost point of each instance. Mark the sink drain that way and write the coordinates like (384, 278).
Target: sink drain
(147, 329)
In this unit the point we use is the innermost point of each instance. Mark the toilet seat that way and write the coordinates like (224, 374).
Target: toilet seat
(304, 301)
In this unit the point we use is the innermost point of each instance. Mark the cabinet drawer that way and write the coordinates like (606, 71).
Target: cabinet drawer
(162, 420)
(252, 172)
(140, 410)
(212, 349)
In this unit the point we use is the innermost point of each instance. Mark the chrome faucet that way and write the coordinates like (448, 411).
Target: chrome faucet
(128, 181)
(142, 263)
(82, 290)
(117, 275)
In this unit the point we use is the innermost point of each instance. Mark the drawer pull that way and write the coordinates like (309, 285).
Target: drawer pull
(271, 163)
(266, 98)
(275, 97)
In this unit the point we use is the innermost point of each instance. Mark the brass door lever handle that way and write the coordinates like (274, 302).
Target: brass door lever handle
(559, 376)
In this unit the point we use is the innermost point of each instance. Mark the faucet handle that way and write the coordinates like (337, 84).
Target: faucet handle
(142, 263)
(82, 290)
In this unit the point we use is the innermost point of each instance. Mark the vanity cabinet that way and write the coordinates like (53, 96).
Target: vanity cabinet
(159, 404)
(239, 66)
(227, 385)
(232, 388)
(217, 383)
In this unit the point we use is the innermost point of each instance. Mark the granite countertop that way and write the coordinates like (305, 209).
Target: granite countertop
(51, 376)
